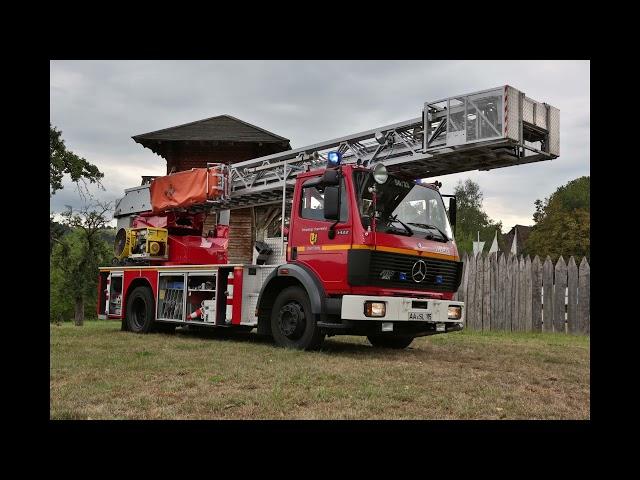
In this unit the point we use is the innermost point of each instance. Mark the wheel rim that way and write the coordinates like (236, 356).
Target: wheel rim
(138, 312)
(291, 320)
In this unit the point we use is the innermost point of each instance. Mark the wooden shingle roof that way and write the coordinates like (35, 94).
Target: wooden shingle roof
(222, 128)
(523, 233)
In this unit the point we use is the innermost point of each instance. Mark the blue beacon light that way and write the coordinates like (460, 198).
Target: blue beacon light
(334, 158)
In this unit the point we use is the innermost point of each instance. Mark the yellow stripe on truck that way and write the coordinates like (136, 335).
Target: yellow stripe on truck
(406, 251)
(336, 247)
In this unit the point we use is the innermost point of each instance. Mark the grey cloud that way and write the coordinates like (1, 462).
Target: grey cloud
(99, 105)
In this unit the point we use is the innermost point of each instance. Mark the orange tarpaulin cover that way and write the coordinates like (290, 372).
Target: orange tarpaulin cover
(183, 189)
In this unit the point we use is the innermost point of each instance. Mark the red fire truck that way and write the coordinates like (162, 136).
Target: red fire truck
(362, 247)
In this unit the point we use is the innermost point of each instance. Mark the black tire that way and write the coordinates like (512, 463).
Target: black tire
(292, 323)
(390, 341)
(140, 308)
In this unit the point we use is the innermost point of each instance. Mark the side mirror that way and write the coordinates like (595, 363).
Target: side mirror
(330, 177)
(332, 203)
(452, 213)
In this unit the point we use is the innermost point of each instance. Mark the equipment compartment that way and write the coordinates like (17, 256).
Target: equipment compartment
(201, 294)
(171, 298)
(115, 294)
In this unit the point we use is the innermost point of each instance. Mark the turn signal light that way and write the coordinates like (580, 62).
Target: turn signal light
(375, 309)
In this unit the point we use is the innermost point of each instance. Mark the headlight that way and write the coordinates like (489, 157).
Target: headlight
(380, 174)
(375, 309)
(455, 312)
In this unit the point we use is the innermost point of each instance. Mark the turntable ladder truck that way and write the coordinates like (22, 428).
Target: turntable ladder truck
(364, 247)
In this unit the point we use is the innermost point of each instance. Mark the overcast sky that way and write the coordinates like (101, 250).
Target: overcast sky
(99, 105)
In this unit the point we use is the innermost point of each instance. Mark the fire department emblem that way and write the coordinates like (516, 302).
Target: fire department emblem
(313, 238)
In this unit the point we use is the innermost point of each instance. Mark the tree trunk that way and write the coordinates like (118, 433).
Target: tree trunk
(79, 312)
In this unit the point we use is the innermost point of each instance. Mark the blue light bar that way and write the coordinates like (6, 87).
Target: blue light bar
(334, 158)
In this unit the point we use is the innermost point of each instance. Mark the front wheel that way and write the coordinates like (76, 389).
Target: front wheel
(292, 323)
(390, 341)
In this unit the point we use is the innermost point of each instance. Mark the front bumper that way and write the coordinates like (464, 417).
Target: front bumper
(402, 309)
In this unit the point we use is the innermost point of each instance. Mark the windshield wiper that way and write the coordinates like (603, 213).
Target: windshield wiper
(433, 227)
(394, 218)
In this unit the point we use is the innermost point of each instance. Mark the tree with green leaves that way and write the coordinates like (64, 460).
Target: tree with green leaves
(562, 222)
(76, 257)
(64, 162)
(56, 231)
(471, 218)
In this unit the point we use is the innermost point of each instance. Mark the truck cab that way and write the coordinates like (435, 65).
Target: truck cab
(378, 250)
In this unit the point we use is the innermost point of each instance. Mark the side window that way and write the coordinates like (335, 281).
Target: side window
(312, 203)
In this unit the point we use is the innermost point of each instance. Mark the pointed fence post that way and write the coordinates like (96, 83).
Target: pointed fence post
(508, 285)
(536, 294)
(522, 292)
(584, 288)
(471, 293)
(461, 293)
(572, 296)
(502, 281)
(559, 292)
(547, 299)
(479, 291)
(486, 294)
(515, 294)
(493, 325)
(528, 323)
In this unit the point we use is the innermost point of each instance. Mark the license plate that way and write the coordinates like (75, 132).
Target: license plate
(420, 316)
(441, 327)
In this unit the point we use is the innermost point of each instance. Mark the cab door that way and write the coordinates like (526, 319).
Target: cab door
(309, 240)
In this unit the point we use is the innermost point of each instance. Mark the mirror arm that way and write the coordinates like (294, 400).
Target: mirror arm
(332, 229)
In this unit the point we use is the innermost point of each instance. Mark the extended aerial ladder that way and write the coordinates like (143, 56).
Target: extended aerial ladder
(483, 130)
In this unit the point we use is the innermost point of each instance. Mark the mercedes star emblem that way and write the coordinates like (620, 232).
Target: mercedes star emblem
(419, 271)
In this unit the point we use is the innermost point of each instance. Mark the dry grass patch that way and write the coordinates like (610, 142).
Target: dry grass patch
(99, 372)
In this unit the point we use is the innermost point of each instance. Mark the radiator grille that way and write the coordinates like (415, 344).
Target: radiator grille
(395, 270)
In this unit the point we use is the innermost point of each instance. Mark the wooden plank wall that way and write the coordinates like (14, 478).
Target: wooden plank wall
(241, 235)
(508, 293)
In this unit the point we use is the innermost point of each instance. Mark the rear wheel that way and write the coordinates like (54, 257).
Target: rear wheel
(140, 308)
(390, 341)
(292, 323)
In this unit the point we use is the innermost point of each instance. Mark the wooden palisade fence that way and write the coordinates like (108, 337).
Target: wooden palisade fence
(509, 293)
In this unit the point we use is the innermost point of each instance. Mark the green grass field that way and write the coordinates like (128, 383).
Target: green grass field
(99, 372)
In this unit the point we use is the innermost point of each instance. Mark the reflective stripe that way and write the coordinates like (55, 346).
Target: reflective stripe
(336, 247)
(406, 251)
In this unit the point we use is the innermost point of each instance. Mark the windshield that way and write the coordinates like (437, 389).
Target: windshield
(400, 202)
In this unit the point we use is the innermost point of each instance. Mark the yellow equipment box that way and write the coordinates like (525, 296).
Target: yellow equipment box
(141, 243)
